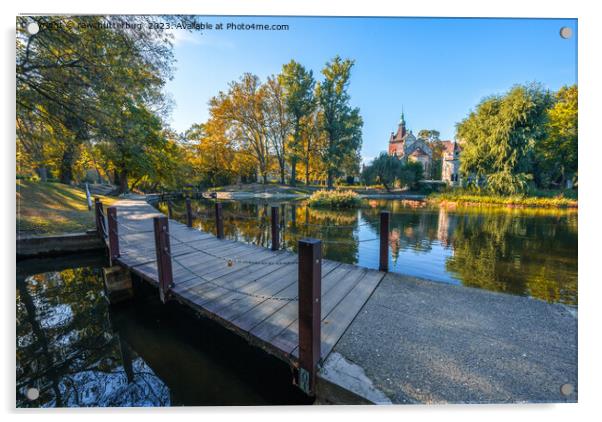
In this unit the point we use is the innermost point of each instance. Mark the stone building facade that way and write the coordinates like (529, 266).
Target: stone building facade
(450, 162)
(405, 145)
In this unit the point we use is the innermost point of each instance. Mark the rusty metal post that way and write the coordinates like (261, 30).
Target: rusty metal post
(188, 213)
(98, 215)
(113, 234)
(219, 221)
(310, 313)
(384, 241)
(275, 229)
(162, 248)
(169, 210)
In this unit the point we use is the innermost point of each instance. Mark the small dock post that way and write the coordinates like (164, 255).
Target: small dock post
(162, 248)
(98, 215)
(275, 229)
(219, 221)
(113, 234)
(384, 241)
(310, 294)
(188, 213)
(169, 210)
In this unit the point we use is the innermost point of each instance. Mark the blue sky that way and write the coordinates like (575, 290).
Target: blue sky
(437, 69)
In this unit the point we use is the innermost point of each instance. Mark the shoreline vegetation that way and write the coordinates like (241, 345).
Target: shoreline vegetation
(538, 200)
(337, 199)
(45, 208)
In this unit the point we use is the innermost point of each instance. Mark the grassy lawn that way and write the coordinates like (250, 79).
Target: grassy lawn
(52, 208)
(549, 199)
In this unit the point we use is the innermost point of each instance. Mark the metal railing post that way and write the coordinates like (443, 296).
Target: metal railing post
(169, 210)
(384, 241)
(113, 234)
(219, 221)
(310, 296)
(188, 213)
(98, 215)
(162, 248)
(275, 229)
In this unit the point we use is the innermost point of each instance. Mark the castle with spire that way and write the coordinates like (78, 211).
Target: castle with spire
(405, 145)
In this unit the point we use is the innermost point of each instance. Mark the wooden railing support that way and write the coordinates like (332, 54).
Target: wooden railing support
(310, 312)
(219, 221)
(188, 213)
(384, 241)
(162, 248)
(113, 234)
(275, 229)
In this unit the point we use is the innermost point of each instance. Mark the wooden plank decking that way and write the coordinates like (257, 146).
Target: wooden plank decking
(255, 293)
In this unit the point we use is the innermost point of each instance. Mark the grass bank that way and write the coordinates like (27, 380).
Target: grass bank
(53, 208)
(549, 199)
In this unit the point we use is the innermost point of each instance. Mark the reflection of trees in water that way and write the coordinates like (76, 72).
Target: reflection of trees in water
(501, 252)
(520, 251)
(67, 350)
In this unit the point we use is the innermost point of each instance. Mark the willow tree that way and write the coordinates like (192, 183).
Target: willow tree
(499, 138)
(298, 84)
(340, 123)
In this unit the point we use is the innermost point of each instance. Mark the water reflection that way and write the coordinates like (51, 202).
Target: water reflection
(68, 350)
(519, 251)
(76, 350)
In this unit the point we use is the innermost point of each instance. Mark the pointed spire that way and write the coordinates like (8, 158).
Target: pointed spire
(403, 120)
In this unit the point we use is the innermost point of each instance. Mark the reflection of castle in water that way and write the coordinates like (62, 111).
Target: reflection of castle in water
(419, 231)
(445, 227)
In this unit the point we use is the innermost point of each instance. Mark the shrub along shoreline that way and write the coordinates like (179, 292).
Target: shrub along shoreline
(526, 201)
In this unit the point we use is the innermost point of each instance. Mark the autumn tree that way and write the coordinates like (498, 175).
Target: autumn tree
(73, 76)
(242, 109)
(278, 120)
(557, 152)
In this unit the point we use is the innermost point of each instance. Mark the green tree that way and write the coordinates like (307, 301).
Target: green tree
(388, 169)
(75, 73)
(499, 138)
(384, 169)
(298, 84)
(557, 152)
(430, 135)
(278, 121)
(341, 123)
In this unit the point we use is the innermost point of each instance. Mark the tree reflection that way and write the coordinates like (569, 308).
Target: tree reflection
(519, 251)
(505, 253)
(66, 347)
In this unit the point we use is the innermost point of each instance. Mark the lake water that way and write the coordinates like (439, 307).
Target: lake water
(530, 252)
(76, 350)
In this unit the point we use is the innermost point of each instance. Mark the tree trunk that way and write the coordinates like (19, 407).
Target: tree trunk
(293, 171)
(66, 171)
(115, 177)
(42, 173)
(307, 172)
(329, 182)
(282, 180)
(123, 181)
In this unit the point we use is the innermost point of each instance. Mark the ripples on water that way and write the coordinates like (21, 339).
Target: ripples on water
(530, 252)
